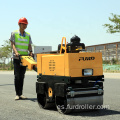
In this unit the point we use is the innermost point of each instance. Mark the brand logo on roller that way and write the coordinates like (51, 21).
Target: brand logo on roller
(86, 58)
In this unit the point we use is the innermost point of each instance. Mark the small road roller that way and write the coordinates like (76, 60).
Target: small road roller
(70, 79)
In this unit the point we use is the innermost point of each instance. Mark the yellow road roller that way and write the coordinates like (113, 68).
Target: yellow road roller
(70, 79)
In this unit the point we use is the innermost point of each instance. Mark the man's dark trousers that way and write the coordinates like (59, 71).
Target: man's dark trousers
(19, 73)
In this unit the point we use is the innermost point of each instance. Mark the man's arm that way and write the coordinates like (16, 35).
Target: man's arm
(14, 49)
(30, 49)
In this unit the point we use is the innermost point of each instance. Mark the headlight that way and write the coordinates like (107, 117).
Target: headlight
(87, 72)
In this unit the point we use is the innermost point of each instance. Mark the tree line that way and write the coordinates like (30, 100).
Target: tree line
(5, 53)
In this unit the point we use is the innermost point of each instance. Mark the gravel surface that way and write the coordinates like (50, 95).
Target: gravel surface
(29, 109)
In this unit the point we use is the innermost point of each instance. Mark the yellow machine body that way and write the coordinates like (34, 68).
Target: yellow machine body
(28, 61)
(67, 78)
(69, 64)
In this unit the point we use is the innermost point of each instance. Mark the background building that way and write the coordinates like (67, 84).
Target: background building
(41, 49)
(109, 50)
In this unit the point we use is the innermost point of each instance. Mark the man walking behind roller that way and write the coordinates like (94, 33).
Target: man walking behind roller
(21, 44)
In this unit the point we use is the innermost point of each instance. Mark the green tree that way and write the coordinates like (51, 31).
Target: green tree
(5, 51)
(115, 26)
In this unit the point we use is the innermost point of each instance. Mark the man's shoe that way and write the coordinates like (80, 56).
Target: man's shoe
(23, 97)
(17, 97)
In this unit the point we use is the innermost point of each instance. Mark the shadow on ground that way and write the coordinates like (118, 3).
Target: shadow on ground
(96, 113)
(6, 84)
(92, 113)
(32, 99)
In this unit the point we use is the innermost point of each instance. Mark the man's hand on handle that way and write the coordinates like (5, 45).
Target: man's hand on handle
(17, 54)
(31, 54)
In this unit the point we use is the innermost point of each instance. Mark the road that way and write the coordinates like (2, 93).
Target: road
(29, 109)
